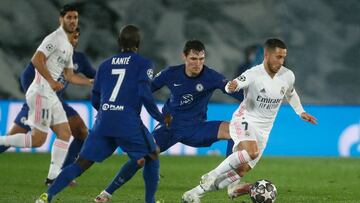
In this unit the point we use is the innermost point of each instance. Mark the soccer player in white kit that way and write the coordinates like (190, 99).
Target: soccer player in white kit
(265, 86)
(52, 58)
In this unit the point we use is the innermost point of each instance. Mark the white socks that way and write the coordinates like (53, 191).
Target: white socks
(231, 162)
(22, 140)
(226, 179)
(58, 153)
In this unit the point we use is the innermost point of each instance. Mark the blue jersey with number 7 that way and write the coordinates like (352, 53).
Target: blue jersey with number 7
(121, 87)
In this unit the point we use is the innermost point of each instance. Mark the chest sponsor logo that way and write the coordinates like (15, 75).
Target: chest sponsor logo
(61, 61)
(268, 103)
(186, 99)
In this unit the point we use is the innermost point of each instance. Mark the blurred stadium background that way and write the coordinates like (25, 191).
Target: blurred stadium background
(323, 51)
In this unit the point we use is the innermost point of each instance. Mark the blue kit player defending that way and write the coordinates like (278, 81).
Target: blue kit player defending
(77, 125)
(191, 86)
(121, 87)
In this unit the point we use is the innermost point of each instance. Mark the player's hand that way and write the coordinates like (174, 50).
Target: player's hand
(56, 86)
(91, 82)
(232, 85)
(167, 120)
(309, 118)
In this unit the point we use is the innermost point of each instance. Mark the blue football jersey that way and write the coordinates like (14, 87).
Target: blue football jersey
(118, 93)
(81, 65)
(189, 96)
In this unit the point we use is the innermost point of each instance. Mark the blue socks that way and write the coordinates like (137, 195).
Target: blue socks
(229, 147)
(68, 174)
(126, 172)
(3, 149)
(151, 178)
(73, 151)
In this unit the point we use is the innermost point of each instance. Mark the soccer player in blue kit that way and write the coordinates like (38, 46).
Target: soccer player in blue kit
(191, 86)
(77, 125)
(121, 87)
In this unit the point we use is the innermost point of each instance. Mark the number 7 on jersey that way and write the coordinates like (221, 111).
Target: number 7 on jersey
(121, 75)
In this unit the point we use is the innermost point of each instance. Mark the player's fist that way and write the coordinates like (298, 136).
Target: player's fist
(167, 120)
(56, 86)
(231, 86)
(309, 118)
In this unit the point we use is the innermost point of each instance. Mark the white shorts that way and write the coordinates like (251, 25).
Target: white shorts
(44, 111)
(243, 130)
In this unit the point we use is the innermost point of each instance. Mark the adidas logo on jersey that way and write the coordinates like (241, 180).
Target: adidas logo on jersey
(263, 90)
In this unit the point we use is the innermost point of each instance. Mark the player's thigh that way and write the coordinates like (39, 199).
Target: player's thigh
(77, 125)
(97, 147)
(164, 137)
(202, 135)
(40, 111)
(58, 114)
(248, 137)
(241, 131)
(138, 145)
(19, 122)
(223, 132)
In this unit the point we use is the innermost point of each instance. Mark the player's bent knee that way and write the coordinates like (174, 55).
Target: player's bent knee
(253, 154)
(80, 133)
(153, 156)
(38, 140)
(84, 163)
(243, 169)
(141, 162)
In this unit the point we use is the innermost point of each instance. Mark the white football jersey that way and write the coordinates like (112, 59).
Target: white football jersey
(58, 51)
(263, 95)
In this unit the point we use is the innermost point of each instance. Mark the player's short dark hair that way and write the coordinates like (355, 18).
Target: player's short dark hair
(273, 43)
(67, 8)
(195, 45)
(129, 38)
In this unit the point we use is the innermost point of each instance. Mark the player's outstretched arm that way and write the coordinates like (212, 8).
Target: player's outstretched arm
(295, 103)
(231, 86)
(149, 102)
(76, 78)
(309, 118)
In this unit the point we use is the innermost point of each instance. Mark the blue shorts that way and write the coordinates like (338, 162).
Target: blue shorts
(98, 147)
(199, 135)
(23, 114)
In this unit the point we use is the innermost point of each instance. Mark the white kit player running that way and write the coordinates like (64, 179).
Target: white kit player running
(265, 86)
(52, 58)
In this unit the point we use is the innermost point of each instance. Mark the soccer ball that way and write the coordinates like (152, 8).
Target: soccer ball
(263, 191)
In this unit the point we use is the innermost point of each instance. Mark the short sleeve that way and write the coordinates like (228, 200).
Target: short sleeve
(48, 45)
(245, 79)
(97, 82)
(146, 72)
(69, 63)
(160, 79)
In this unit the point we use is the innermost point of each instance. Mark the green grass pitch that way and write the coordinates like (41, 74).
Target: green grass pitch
(308, 180)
